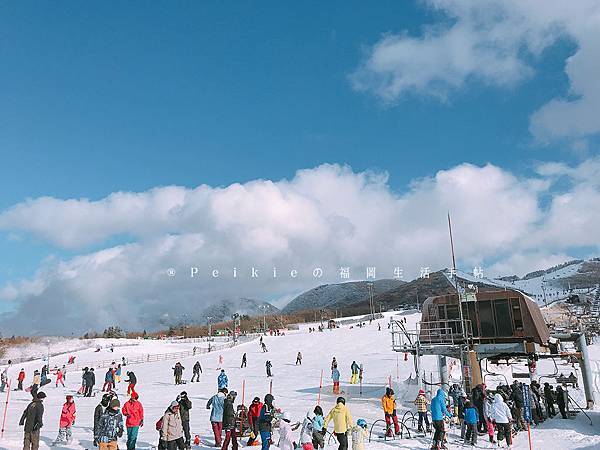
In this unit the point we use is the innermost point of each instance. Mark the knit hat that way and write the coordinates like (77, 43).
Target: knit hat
(174, 404)
(421, 392)
(40, 395)
(114, 403)
(341, 400)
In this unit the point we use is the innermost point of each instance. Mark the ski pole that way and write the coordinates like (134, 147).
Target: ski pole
(320, 387)
(5, 409)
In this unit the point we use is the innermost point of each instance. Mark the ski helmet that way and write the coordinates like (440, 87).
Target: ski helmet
(361, 423)
(341, 400)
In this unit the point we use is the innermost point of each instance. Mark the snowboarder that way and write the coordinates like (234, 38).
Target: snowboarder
(421, 404)
(172, 430)
(335, 376)
(132, 381)
(196, 371)
(67, 419)
(355, 369)
(471, 418)
(185, 404)
(265, 425)
(388, 402)
(229, 421)
(134, 414)
(306, 433)
(215, 404)
(438, 412)
(342, 422)
(299, 358)
(502, 416)
(268, 366)
(20, 380)
(110, 426)
(359, 434)
(178, 372)
(253, 415)
(286, 441)
(318, 421)
(32, 420)
(222, 380)
(244, 361)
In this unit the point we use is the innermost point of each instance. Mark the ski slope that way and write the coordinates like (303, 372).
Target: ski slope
(295, 388)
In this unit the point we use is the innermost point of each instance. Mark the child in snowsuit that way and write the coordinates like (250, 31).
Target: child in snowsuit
(318, 421)
(421, 404)
(67, 419)
(306, 433)
(335, 376)
(286, 441)
(471, 417)
(359, 434)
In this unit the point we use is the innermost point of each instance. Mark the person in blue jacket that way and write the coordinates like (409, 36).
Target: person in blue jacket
(265, 421)
(438, 412)
(222, 380)
(471, 420)
(216, 404)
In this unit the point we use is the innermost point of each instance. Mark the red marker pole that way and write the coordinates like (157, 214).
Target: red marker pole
(529, 435)
(5, 409)
(320, 388)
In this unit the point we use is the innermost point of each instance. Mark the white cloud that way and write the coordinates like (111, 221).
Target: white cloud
(325, 217)
(494, 42)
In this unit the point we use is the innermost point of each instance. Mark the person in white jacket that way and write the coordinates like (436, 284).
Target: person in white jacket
(502, 416)
(286, 441)
(359, 434)
(306, 433)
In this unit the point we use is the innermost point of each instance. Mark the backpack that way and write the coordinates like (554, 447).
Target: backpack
(159, 424)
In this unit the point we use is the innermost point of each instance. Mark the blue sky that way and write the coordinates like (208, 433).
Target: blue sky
(127, 96)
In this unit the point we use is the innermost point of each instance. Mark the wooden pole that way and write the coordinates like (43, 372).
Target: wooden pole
(320, 388)
(271, 387)
(5, 409)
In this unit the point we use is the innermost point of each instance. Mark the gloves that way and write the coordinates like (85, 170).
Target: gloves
(142, 423)
(324, 431)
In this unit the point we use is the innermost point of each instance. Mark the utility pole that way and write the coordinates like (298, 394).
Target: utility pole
(208, 320)
(264, 310)
(371, 306)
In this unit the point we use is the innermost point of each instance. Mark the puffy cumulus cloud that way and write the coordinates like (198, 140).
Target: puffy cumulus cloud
(326, 217)
(496, 43)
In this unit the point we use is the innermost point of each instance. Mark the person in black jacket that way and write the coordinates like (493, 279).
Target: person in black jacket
(132, 380)
(32, 419)
(178, 372)
(185, 404)
(549, 397)
(100, 408)
(517, 397)
(229, 421)
(196, 371)
(561, 402)
(90, 380)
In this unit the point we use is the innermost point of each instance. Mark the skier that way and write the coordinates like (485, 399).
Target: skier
(355, 369)
(318, 433)
(185, 404)
(487, 412)
(35, 384)
(67, 419)
(220, 364)
(244, 361)
(3, 379)
(516, 396)
(265, 426)
(178, 372)
(388, 402)
(32, 420)
(90, 381)
(286, 441)
(335, 375)
(268, 366)
(561, 401)
(172, 430)
(502, 416)
(477, 398)
(118, 374)
(20, 380)
(359, 434)
(253, 415)
(110, 426)
(264, 347)
(438, 412)
(109, 378)
(342, 422)
(229, 421)
(299, 358)
(106, 398)
(222, 380)
(59, 378)
(471, 420)
(333, 364)
(549, 397)
(196, 371)
(134, 414)
(132, 380)
(421, 404)
(215, 404)
(306, 433)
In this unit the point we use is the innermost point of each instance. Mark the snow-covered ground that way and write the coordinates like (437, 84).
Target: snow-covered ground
(295, 388)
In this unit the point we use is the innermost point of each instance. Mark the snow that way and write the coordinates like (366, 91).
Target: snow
(295, 388)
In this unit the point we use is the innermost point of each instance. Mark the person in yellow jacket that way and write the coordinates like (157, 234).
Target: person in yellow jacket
(342, 422)
(388, 402)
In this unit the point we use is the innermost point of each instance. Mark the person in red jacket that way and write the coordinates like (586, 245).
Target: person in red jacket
(20, 379)
(253, 415)
(67, 419)
(59, 378)
(134, 413)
